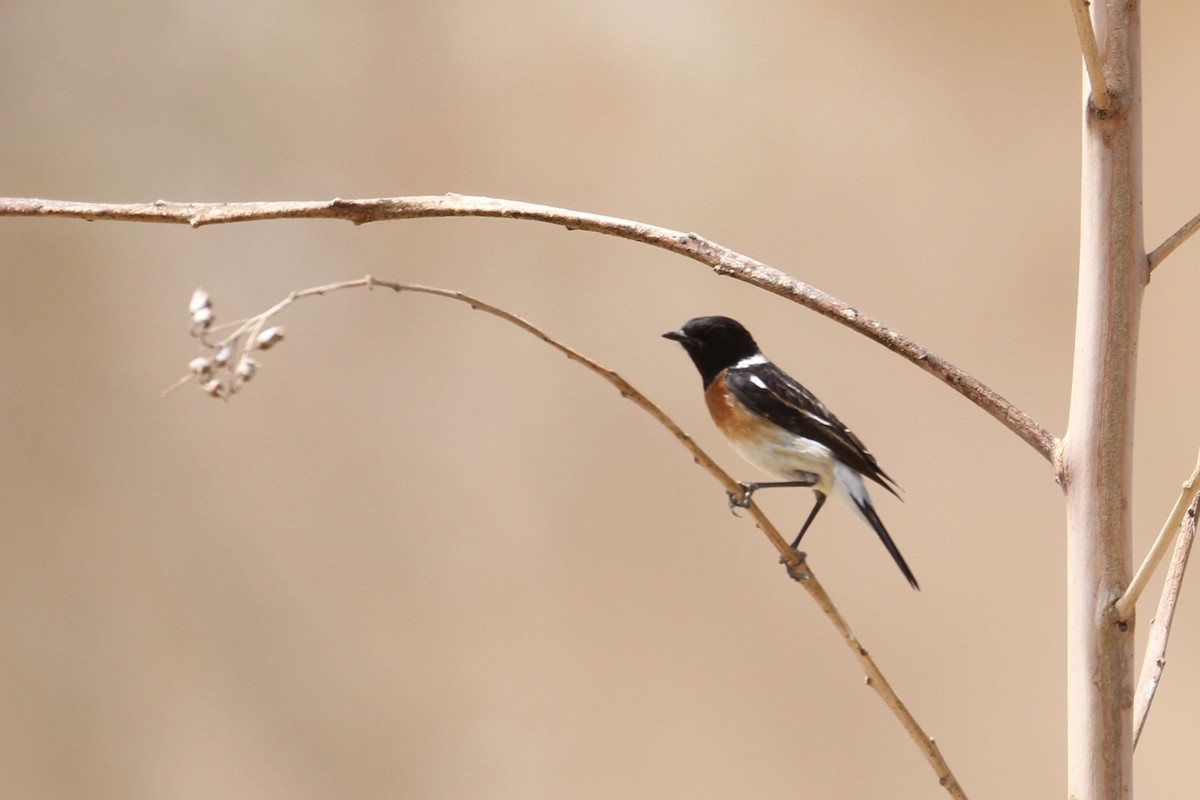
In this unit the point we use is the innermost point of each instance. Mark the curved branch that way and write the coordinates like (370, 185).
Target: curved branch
(722, 260)
(796, 565)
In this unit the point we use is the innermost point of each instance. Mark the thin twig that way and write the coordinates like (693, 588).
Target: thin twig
(1125, 605)
(1160, 627)
(1091, 54)
(1173, 241)
(796, 565)
(722, 260)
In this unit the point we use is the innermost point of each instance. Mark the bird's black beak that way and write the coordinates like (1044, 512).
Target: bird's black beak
(677, 336)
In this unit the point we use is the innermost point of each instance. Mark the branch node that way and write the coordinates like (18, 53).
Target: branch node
(1172, 242)
(1091, 55)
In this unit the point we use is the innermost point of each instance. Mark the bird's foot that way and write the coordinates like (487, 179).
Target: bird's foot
(797, 571)
(736, 502)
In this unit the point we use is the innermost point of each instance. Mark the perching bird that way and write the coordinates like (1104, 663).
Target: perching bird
(780, 427)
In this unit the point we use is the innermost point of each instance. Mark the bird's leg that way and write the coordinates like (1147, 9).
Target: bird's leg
(748, 489)
(811, 516)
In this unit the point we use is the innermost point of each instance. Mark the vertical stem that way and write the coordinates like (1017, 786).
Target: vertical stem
(1096, 455)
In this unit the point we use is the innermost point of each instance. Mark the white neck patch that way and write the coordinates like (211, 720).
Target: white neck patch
(751, 361)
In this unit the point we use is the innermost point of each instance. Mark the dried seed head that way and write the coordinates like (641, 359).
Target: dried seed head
(215, 388)
(200, 300)
(221, 355)
(268, 338)
(202, 318)
(246, 368)
(200, 366)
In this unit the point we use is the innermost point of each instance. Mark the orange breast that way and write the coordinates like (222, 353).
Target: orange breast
(731, 416)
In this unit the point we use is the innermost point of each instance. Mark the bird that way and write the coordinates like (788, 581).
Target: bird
(779, 426)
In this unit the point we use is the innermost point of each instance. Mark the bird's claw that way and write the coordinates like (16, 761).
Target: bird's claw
(736, 502)
(799, 570)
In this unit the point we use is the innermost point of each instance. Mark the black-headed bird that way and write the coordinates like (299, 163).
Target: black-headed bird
(781, 427)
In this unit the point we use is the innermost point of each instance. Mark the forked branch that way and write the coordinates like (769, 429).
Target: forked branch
(1173, 241)
(1155, 659)
(1181, 522)
(1091, 54)
(721, 259)
(796, 566)
(1187, 494)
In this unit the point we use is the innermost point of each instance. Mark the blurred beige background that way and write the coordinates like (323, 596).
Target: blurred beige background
(422, 556)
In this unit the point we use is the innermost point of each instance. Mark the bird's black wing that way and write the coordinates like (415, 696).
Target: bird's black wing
(770, 392)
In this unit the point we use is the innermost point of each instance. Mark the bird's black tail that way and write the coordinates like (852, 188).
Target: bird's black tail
(867, 510)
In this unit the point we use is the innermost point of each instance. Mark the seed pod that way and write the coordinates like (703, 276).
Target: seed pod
(268, 338)
(200, 300)
(202, 318)
(246, 368)
(200, 366)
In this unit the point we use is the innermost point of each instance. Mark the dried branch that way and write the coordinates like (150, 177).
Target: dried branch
(723, 261)
(1160, 627)
(1173, 241)
(795, 562)
(1097, 447)
(1125, 605)
(1091, 54)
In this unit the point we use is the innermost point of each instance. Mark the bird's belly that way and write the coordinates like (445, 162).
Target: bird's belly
(787, 456)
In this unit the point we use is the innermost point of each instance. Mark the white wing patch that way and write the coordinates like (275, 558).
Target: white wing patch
(761, 384)
(819, 419)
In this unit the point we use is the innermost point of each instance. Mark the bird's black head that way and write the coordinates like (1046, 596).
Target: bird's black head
(714, 343)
